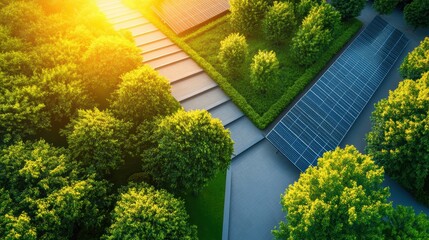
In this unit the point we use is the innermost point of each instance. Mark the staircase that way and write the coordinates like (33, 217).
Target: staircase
(190, 85)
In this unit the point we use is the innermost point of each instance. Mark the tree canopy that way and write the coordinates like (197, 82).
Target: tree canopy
(279, 21)
(186, 150)
(96, 139)
(416, 62)
(340, 198)
(246, 15)
(143, 95)
(349, 8)
(399, 139)
(43, 194)
(233, 52)
(142, 212)
(416, 13)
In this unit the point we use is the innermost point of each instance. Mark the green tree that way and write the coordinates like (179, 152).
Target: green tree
(107, 58)
(385, 6)
(22, 108)
(416, 62)
(64, 93)
(8, 42)
(187, 149)
(399, 139)
(45, 196)
(233, 53)
(246, 15)
(311, 39)
(340, 198)
(142, 95)
(403, 223)
(349, 8)
(96, 139)
(303, 7)
(279, 22)
(264, 70)
(416, 13)
(142, 212)
(326, 16)
(15, 63)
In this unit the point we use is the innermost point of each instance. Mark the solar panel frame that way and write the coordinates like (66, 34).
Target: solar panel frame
(321, 118)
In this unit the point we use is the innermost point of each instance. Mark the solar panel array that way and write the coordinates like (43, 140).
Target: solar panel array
(321, 118)
(182, 15)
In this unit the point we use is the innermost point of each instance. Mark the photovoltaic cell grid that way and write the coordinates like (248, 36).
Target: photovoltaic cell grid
(321, 118)
(181, 15)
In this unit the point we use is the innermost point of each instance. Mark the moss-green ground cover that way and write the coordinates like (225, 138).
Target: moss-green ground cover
(206, 209)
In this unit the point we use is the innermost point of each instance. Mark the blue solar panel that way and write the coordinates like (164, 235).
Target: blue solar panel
(323, 116)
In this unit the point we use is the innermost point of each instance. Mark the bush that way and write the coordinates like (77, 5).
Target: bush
(326, 16)
(416, 62)
(385, 6)
(416, 13)
(264, 70)
(246, 15)
(349, 8)
(279, 22)
(233, 53)
(142, 95)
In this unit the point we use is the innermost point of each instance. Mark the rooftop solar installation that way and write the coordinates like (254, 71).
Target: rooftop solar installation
(182, 15)
(321, 118)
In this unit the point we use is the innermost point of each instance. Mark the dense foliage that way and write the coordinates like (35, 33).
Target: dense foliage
(349, 8)
(303, 7)
(341, 198)
(416, 13)
(416, 62)
(107, 58)
(96, 139)
(314, 35)
(403, 223)
(385, 6)
(279, 21)
(246, 15)
(264, 70)
(143, 95)
(43, 194)
(233, 53)
(187, 149)
(399, 139)
(142, 212)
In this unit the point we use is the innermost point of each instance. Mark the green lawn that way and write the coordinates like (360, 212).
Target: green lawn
(206, 209)
(207, 45)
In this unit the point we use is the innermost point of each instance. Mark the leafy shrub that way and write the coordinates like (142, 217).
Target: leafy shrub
(385, 6)
(233, 53)
(416, 13)
(264, 70)
(349, 8)
(416, 62)
(279, 22)
(246, 15)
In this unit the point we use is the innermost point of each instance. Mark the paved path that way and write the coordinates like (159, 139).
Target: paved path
(191, 86)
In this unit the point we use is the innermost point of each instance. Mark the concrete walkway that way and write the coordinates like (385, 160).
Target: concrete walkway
(191, 86)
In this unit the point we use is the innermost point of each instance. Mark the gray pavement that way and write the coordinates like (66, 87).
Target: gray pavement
(260, 175)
